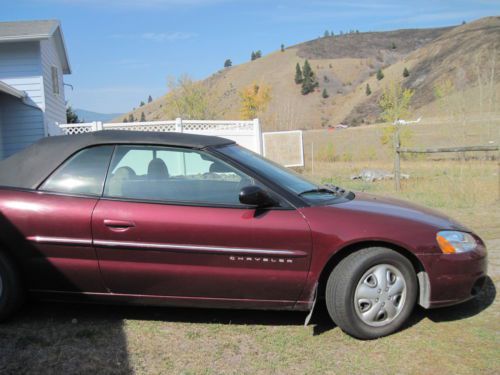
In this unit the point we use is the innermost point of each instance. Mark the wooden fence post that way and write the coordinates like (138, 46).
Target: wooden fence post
(397, 164)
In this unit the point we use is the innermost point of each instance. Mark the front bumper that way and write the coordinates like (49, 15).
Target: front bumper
(454, 278)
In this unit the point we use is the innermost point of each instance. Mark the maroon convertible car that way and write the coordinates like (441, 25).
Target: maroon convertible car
(189, 220)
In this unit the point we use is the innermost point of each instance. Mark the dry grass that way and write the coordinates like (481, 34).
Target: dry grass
(56, 338)
(465, 339)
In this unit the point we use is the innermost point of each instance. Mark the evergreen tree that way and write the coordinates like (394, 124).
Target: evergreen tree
(368, 90)
(406, 73)
(131, 118)
(141, 104)
(393, 45)
(143, 117)
(150, 99)
(253, 56)
(380, 74)
(324, 94)
(258, 54)
(282, 47)
(298, 74)
(331, 33)
(71, 116)
(228, 63)
(326, 34)
(309, 82)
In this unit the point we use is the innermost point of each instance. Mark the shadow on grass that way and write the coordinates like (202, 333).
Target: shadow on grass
(84, 338)
(45, 338)
(50, 338)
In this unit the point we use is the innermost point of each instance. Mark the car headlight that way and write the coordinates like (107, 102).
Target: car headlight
(452, 242)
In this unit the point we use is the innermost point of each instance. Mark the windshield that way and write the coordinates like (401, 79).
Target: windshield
(282, 176)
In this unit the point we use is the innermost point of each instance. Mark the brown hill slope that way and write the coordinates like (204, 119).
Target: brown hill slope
(345, 64)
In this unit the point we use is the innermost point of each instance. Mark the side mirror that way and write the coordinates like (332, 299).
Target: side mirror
(256, 196)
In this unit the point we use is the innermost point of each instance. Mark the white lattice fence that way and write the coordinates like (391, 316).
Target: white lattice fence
(245, 133)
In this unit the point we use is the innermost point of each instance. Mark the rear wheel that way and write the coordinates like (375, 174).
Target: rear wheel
(372, 292)
(11, 295)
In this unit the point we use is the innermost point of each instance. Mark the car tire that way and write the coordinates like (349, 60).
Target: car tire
(372, 292)
(11, 293)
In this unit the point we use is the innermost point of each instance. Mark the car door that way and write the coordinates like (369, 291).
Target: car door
(50, 229)
(170, 224)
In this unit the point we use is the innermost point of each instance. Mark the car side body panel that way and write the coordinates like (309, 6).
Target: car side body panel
(49, 235)
(411, 228)
(204, 253)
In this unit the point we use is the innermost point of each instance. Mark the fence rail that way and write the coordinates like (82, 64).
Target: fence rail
(446, 149)
(401, 150)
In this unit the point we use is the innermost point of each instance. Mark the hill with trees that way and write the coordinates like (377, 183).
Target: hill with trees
(340, 78)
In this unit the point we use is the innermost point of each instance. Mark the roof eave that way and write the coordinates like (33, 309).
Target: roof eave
(24, 38)
(7, 89)
(58, 35)
(65, 60)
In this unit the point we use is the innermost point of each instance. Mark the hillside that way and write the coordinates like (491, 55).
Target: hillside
(468, 56)
(89, 116)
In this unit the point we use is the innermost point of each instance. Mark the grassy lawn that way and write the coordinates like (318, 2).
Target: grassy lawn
(465, 339)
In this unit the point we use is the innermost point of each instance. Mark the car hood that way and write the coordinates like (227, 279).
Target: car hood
(384, 206)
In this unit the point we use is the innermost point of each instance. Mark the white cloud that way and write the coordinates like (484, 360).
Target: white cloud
(117, 4)
(168, 37)
(157, 37)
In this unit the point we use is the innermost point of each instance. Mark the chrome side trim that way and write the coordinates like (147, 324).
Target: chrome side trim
(60, 240)
(200, 249)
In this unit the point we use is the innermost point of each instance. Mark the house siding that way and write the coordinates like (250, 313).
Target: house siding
(55, 104)
(21, 124)
(21, 68)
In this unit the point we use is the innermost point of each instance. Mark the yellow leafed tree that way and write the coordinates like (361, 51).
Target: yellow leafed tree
(254, 100)
(188, 99)
(395, 102)
(395, 105)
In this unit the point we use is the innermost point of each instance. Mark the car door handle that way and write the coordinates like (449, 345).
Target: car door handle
(118, 224)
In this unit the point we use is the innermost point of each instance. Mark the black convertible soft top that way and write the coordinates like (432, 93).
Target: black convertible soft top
(28, 168)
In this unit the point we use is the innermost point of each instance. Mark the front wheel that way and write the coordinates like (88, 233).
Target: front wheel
(372, 292)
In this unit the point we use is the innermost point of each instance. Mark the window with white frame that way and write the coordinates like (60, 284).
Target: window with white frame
(55, 80)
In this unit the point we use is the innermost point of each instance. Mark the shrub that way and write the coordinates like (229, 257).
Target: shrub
(380, 74)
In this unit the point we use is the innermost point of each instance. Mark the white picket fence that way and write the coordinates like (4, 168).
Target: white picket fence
(245, 133)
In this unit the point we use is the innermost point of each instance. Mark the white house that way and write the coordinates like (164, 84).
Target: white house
(33, 60)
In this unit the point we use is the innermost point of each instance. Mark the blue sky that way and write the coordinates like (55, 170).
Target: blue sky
(121, 51)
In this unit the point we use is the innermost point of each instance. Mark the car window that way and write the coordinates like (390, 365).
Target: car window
(83, 173)
(272, 171)
(173, 175)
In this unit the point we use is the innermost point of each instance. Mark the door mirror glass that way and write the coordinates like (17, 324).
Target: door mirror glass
(256, 196)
